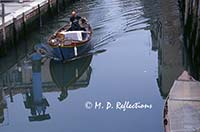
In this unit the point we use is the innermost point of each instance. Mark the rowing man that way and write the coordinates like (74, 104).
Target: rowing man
(74, 21)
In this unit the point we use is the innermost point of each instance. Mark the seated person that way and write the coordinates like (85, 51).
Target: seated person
(83, 24)
(74, 22)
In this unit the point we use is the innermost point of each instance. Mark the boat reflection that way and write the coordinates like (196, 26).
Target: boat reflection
(72, 75)
(33, 78)
(66, 76)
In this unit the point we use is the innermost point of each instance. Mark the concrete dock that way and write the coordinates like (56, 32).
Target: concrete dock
(15, 17)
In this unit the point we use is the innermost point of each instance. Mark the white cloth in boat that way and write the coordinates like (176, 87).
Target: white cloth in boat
(73, 35)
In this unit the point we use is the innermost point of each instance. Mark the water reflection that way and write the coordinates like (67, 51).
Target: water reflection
(34, 77)
(166, 38)
(123, 27)
(69, 76)
(34, 99)
(2, 106)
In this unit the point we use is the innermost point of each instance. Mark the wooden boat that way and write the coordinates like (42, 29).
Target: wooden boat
(182, 106)
(68, 44)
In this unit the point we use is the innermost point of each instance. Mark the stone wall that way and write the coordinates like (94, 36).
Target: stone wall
(27, 22)
(191, 23)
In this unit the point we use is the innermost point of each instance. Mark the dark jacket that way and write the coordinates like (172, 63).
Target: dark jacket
(75, 19)
(75, 23)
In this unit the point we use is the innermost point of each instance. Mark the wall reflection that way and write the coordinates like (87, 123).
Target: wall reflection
(166, 35)
(36, 76)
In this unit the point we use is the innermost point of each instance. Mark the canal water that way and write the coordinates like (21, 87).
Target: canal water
(120, 89)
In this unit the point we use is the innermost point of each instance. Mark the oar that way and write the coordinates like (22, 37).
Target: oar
(85, 55)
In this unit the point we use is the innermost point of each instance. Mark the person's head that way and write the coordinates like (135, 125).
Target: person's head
(74, 13)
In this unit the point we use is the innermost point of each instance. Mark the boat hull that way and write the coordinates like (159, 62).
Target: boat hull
(181, 108)
(66, 53)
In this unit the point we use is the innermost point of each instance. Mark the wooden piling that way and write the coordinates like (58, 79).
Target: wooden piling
(40, 16)
(63, 4)
(49, 7)
(14, 31)
(191, 14)
(15, 38)
(3, 22)
(49, 4)
(57, 6)
(25, 34)
(3, 49)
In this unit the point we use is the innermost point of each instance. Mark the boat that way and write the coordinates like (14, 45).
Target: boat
(67, 44)
(182, 106)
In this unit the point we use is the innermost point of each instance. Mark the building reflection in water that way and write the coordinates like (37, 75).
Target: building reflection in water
(166, 32)
(33, 78)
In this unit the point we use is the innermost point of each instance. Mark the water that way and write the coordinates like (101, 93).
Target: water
(141, 61)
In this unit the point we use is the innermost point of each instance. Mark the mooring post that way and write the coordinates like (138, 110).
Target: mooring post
(57, 6)
(3, 48)
(49, 6)
(25, 32)
(197, 41)
(64, 4)
(14, 31)
(40, 17)
(15, 38)
(186, 11)
(49, 3)
(198, 10)
(24, 18)
(3, 22)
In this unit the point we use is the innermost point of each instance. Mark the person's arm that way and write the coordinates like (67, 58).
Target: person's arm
(78, 17)
(71, 19)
